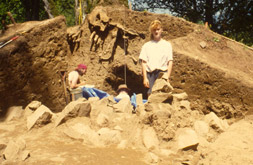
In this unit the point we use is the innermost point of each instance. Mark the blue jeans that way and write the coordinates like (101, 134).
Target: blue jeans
(152, 76)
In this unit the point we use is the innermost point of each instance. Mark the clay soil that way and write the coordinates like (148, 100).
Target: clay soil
(217, 77)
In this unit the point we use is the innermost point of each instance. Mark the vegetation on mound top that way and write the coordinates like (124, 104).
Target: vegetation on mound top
(232, 18)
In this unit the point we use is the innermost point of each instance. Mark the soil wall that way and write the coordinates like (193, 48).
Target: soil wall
(30, 67)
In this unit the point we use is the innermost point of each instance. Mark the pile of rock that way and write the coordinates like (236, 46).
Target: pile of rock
(162, 127)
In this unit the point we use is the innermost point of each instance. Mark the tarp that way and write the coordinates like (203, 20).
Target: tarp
(93, 92)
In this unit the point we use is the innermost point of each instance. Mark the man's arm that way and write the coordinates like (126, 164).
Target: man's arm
(144, 72)
(170, 64)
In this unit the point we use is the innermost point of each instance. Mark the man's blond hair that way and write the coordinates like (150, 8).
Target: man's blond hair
(154, 25)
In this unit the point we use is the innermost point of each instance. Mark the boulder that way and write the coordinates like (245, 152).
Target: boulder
(157, 106)
(123, 106)
(150, 139)
(80, 107)
(139, 99)
(162, 85)
(160, 98)
(216, 123)
(103, 105)
(109, 137)
(161, 114)
(201, 128)
(14, 112)
(151, 158)
(185, 104)
(186, 139)
(180, 96)
(34, 105)
(14, 150)
(102, 120)
(140, 110)
(41, 116)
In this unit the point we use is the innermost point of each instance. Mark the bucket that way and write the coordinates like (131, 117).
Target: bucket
(76, 93)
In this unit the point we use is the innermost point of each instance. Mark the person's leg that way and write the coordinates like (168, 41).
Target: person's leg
(151, 79)
(152, 76)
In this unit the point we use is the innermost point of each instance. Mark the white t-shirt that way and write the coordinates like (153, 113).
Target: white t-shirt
(157, 54)
(73, 77)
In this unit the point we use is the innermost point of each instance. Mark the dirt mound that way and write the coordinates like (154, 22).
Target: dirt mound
(30, 66)
(215, 72)
(211, 75)
(108, 43)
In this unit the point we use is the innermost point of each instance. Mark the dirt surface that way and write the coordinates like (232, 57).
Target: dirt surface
(216, 73)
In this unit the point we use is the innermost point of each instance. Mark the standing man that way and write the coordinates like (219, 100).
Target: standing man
(74, 76)
(156, 56)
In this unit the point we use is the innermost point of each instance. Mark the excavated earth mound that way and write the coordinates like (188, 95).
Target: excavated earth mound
(196, 123)
(217, 75)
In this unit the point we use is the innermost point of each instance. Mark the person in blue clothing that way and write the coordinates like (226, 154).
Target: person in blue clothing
(156, 56)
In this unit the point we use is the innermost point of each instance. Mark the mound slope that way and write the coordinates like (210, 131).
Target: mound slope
(215, 72)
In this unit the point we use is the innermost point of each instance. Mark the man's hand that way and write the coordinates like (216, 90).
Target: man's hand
(146, 82)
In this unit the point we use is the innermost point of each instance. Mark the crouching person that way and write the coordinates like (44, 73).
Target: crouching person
(123, 92)
(75, 82)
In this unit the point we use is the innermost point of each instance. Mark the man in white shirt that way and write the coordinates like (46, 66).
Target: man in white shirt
(74, 76)
(156, 56)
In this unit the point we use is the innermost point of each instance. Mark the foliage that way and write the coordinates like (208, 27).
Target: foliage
(13, 6)
(26, 10)
(232, 18)
(19, 10)
(66, 8)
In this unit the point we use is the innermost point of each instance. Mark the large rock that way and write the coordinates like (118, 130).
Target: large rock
(30, 108)
(103, 106)
(201, 128)
(102, 120)
(234, 146)
(40, 117)
(34, 105)
(161, 114)
(14, 112)
(80, 107)
(109, 137)
(186, 138)
(140, 110)
(162, 85)
(15, 150)
(157, 106)
(180, 101)
(139, 99)
(216, 123)
(150, 139)
(151, 158)
(180, 96)
(160, 98)
(123, 106)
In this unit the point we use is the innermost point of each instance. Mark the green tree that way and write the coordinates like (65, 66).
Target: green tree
(232, 18)
(13, 6)
(22, 10)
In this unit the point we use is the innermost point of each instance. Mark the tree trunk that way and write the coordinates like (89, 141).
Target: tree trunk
(209, 11)
(76, 11)
(47, 8)
(31, 9)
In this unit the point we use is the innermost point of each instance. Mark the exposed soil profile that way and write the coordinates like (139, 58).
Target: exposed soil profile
(214, 74)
